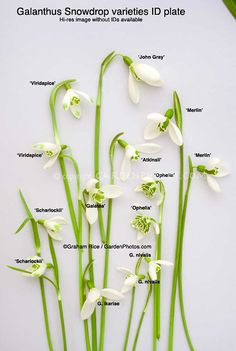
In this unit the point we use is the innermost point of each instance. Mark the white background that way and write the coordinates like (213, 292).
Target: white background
(199, 63)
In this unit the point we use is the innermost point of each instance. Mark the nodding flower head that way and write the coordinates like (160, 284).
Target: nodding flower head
(53, 226)
(50, 150)
(143, 224)
(151, 188)
(72, 100)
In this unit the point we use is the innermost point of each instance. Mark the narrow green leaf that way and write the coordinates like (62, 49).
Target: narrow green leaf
(231, 5)
(18, 270)
(23, 224)
(178, 111)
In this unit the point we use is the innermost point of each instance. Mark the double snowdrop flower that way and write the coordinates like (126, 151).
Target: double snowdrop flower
(53, 226)
(97, 195)
(94, 295)
(159, 124)
(143, 225)
(50, 150)
(131, 279)
(140, 72)
(38, 267)
(214, 169)
(72, 100)
(155, 266)
(151, 188)
(133, 153)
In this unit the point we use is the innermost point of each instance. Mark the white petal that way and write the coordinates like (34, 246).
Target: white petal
(133, 89)
(140, 236)
(66, 99)
(59, 220)
(156, 228)
(54, 235)
(87, 309)
(212, 182)
(152, 270)
(138, 188)
(151, 131)
(111, 294)
(148, 148)
(40, 271)
(126, 288)
(51, 161)
(124, 270)
(125, 168)
(156, 117)
(111, 191)
(147, 74)
(131, 280)
(147, 180)
(175, 134)
(130, 151)
(160, 197)
(213, 162)
(76, 110)
(85, 96)
(163, 262)
(47, 147)
(91, 214)
(91, 185)
(93, 295)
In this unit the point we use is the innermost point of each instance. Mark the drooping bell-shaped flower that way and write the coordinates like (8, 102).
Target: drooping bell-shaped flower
(143, 225)
(73, 99)
(151, 188)
(133, 153)
(94, 295)
(130, 281)
(155, 266)
(38, 267)
(214, 169)
(140, 72)
(50, 150)
(53, 226)
(159, 124)
(97, 195)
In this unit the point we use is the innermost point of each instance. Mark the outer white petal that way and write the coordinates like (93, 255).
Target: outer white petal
(66, 99)
(126, 288)
(152, 270)
(93, 295)
(91, 185)
(47, 147)
(91, 214)
(213, 184)
(140, 236)
(111, 191)
(76, 110)
(40, 271)
(125, 168)
(51, 161)
(222, 171)
(130, 151)
(151, 131)
(87, 309)
(175, 134)
(124, 270)
(84, 95)
(156, 228)
(54, 235)
(111, 294)
(156, 117)
(213, 162)
(59, 220)
(163, 262)
(138, 188)
(131, 280)
(147, 74)
(133, 89)
(148, 148)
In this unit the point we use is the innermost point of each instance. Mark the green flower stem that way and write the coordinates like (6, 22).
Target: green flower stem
(130, 319)
(60, 306)
(103, 68)
(181, 300)
(91, 278)
(157, 287)
(141, 318)
(41, 282)
(77, 227)
(178, 117)
(108, 237)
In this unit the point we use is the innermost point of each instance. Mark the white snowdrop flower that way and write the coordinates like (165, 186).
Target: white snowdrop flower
(97, 195)
(53, 226)
(155, 266)
(38, 267)
(214, 169)
(159, 124)
(50, 150)
(133, 153)
(140, 72)
(143, 225)
(72, 100)
(130, 281)
(151, 188)
(94, 295)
